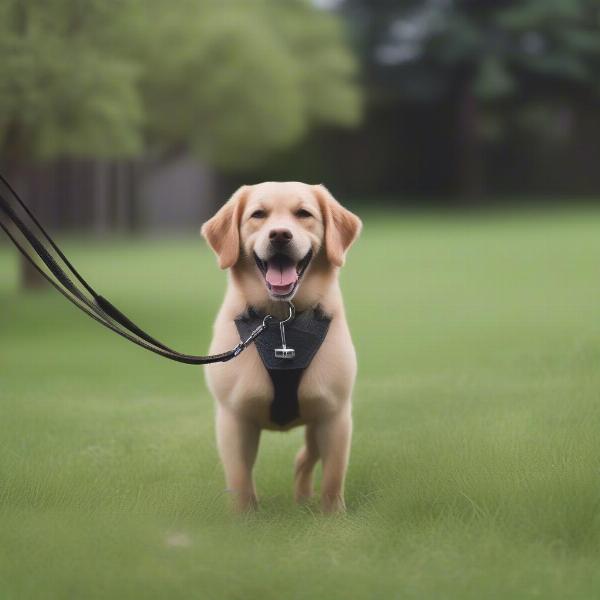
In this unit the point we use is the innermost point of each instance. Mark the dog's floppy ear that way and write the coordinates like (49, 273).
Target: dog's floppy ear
(222, 232)
(341, 226)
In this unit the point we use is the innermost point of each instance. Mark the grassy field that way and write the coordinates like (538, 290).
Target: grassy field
(475, 470)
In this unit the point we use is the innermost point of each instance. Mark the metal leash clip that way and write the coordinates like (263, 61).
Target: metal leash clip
(253, 335)
(284, 351)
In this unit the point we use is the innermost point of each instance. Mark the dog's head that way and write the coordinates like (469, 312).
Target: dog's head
(280, 232)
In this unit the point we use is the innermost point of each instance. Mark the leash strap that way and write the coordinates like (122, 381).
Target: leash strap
(62, 275)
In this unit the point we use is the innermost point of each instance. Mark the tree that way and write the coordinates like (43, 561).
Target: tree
(113, 78)
(241, 79)
(500, 62)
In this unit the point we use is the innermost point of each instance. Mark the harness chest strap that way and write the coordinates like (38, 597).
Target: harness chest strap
(305, 334)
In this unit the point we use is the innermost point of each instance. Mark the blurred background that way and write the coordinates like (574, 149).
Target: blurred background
(143, 116)
(465, 133)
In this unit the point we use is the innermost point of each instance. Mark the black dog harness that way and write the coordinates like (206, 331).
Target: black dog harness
(304, 334)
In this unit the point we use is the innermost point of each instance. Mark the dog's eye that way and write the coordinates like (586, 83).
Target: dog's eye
(303, 214)
(258, 214)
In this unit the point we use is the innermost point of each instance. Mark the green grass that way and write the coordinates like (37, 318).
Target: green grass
(475, 469)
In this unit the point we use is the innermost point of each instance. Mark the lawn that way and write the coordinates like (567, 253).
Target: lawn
(475, 468)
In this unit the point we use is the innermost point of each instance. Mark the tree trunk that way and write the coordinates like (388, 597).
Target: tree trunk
(30, 279)
(19, 178)
(16, 173)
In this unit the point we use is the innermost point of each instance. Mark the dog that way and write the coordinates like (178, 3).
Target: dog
(283, 242)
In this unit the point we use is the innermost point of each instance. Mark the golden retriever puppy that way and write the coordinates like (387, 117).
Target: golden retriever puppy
(283, 242)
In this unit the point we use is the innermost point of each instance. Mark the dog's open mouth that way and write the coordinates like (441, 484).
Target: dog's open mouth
(282, 274)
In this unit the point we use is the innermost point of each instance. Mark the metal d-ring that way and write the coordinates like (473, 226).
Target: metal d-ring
(284, 351)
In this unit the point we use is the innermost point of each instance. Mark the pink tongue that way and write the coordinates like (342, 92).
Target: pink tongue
(280, 275)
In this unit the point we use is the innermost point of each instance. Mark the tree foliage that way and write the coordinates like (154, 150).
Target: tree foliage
(63, 90)
(232, 80)
(502, 50)
(498, 70)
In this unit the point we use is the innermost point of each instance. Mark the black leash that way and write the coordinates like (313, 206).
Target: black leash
(63, 276)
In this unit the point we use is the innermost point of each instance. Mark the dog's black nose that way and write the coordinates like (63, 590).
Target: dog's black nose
(280, 237)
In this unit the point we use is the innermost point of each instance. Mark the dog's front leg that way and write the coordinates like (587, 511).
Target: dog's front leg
(333, 438)
(237, 440)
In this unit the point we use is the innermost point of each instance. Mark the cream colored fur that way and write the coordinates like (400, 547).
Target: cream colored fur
(242, 387)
